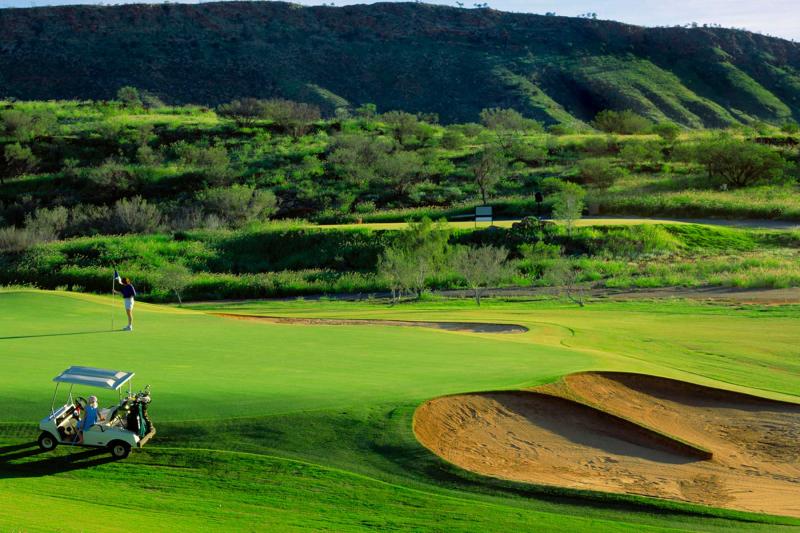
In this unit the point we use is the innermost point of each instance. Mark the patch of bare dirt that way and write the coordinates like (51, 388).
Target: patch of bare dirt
(627, 433)
(473, 327)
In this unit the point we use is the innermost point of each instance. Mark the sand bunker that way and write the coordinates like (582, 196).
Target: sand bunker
(474, 327)
(627, 433)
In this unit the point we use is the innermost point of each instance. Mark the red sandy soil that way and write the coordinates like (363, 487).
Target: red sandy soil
(630, 434)
(475, 327)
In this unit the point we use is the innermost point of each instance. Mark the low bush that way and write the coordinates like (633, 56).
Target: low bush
(600, 172)
(625, 122)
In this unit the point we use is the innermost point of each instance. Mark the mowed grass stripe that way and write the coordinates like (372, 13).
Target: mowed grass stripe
(202, 490)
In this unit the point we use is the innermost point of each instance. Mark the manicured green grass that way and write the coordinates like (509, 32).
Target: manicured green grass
(237, 403)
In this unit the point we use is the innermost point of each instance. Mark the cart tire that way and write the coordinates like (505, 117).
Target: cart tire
(47, 442)
(119, 449)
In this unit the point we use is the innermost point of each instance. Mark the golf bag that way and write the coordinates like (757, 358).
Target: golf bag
(137, 420)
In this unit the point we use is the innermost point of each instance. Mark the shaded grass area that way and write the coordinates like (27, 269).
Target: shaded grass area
(197, 490)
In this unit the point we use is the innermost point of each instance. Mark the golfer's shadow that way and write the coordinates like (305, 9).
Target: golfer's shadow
(59, 334)
(18, 461)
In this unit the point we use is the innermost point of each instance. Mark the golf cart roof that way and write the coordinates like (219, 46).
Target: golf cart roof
(94, 377)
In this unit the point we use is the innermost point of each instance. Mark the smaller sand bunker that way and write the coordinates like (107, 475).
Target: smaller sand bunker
(630, 434)
(472, 327)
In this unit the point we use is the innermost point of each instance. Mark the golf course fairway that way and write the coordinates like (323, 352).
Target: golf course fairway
(308, 426)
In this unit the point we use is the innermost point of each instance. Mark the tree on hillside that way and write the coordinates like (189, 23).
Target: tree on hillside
(399, 268)
(400, 170)
(740, 163)
(599, 172)
(409, 129)
(564, 277)
(568, 205)
(481, 267)
(17, 161)
(625, 122)
(294, 117)
(136, 215)
(173, 278)
(213, 162)
(508, 125)
(245, 112)
(488, 169)
(419, 252)
(27, 125)
(367, 111)
(354, 157)
(129, 96)
(669, 131)
(239, 204)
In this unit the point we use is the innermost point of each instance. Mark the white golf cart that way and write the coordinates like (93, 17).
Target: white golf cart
(123, 426)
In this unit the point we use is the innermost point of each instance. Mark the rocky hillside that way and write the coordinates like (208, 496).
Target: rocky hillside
(414, 57)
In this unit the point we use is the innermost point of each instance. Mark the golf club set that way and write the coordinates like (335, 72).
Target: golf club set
(130, 414)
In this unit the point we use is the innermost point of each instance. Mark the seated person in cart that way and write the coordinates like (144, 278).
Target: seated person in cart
(90, 417)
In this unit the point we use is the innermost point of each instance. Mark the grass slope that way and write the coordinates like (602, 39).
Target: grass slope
(238, 404)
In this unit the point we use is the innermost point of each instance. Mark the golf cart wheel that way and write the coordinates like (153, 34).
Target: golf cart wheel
(119, 449)
(47, 442)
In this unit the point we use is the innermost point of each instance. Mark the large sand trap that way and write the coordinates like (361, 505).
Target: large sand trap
(474, 327)
(612, 432)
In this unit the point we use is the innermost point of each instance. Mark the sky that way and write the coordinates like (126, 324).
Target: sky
(780, 18)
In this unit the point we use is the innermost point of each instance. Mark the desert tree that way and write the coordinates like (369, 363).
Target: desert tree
(508, 124)
(245, 111)
(481, 267)
(294, 117)
(564, 277)
(669, 131)
(569, 203)
(136, 215)
(238, 205)
(174, 278)
(419, 252)
(355, 157)
(626, 122)
(740, 163)
(397, 268)
(400, 170)
(27, 125)
(17, 161)
(129, 96)
(488, 169)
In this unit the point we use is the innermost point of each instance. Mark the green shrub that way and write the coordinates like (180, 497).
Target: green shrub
(17, 160)
(601, 173)
(136, 215)
(791, 127)
(238, 205)
(740, 163)
(452, 139)
(636, 154)
(625, 122)
(669, 131)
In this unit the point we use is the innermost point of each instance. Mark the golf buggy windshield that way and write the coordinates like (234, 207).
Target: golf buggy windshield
(92, 377)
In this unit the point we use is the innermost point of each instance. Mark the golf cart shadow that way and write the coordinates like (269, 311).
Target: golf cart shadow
(20, 461)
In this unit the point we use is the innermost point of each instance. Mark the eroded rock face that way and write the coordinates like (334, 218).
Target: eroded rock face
(627, 433)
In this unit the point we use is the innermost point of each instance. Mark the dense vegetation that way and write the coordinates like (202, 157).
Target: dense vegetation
(199, 186)
(415, 57)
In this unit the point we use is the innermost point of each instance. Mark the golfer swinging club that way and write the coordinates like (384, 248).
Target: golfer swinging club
(128, 294)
